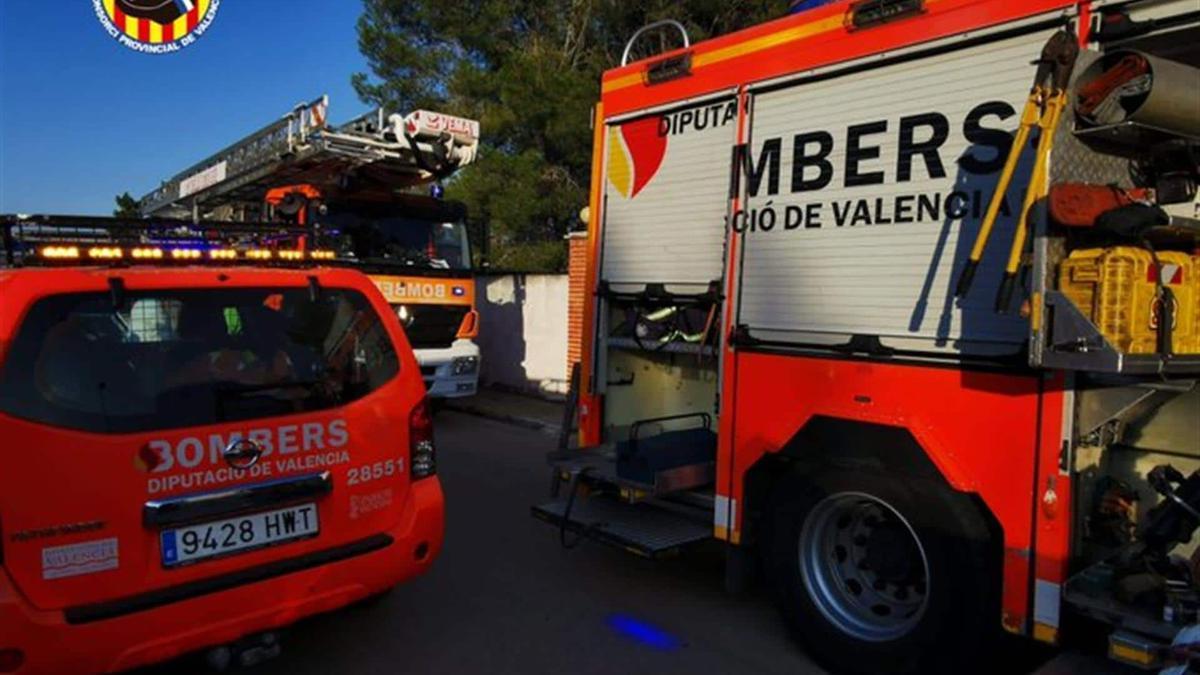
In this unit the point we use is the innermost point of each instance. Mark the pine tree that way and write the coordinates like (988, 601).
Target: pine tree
(530, 72)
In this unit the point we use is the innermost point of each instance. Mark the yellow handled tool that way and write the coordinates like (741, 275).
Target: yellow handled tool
(1038, 187)
(1043, 110)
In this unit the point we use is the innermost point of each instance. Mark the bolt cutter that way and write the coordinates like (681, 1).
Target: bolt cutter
(1043, 110)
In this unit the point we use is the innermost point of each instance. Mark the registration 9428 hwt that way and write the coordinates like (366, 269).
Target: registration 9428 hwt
(236, 535)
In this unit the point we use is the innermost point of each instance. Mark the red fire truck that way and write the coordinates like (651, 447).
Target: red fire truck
(375, 180)
(932, 376)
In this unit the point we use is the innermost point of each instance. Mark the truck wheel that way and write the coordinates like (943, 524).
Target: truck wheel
(881, 574)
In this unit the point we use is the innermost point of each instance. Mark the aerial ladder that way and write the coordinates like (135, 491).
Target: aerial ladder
(374, 184)
(389, 150)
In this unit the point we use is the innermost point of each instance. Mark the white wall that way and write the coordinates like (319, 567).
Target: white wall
(523, 332)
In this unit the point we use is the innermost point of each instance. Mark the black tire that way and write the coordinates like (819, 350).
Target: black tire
(950, 629)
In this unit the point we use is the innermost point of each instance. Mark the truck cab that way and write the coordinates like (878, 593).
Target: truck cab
(418, 252)
(373, 185)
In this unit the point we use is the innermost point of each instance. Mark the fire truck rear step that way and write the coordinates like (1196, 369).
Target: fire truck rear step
(600, 465)
(669, 462)
(644, 529)
(650, 496)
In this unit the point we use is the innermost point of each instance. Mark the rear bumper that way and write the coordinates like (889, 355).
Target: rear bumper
(437, 369)
(137, 635)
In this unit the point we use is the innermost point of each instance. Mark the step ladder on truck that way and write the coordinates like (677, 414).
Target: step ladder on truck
(924, 356)
(374, 185)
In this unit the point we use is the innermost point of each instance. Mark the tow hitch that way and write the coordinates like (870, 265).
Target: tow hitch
(245, 653)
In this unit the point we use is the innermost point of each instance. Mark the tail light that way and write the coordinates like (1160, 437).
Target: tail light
(422, 454)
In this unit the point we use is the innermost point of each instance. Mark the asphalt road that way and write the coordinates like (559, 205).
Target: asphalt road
(504, 598)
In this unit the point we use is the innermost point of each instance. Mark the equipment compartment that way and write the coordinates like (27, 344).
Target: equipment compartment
(1117, 287)
(1110, 256)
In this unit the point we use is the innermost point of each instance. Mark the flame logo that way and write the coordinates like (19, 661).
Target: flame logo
(635, 153)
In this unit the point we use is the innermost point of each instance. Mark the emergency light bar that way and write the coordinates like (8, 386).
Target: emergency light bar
(63, 240)
(69, 252)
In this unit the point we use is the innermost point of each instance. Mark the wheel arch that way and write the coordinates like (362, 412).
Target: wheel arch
(834, 443)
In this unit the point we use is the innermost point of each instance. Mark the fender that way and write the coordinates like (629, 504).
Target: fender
(981, 432)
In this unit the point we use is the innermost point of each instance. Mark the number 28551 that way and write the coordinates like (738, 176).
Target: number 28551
(372, 472)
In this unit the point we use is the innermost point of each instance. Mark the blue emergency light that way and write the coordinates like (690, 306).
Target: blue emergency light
(797, 6)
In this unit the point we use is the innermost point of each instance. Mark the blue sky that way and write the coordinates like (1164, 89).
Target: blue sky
(83, 118)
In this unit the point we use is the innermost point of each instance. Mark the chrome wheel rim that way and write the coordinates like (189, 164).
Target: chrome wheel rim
(864, 566)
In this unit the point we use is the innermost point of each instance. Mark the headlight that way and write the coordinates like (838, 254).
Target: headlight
(466, 365)
(405, 316)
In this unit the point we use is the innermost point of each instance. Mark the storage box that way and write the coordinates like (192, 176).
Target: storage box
(1118, 288)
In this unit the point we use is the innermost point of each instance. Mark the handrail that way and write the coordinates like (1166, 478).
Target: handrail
(650, 26)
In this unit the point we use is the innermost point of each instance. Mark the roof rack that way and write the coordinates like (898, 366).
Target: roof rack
(388, 149)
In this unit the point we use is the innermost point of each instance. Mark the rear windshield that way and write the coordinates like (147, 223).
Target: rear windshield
(181, 358)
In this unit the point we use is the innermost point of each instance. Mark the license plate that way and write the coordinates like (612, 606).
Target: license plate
(236, 535)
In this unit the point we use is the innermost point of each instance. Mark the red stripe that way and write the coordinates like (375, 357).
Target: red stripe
(1173, 276)
(118, 18)
(168, 31)
(193, 17)
(143, 28)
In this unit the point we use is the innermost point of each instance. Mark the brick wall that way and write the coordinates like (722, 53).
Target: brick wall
(576, 296)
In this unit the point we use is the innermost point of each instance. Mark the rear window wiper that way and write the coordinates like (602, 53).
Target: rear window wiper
(234, 390)
(225, 395)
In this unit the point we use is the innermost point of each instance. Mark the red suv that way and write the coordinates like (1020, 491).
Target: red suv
(193, 456)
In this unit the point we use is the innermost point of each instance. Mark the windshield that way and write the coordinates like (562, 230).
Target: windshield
(193, 357)
(411, 241)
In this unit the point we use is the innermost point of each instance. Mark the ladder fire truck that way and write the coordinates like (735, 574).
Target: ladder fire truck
(912, 337)
(374, 185)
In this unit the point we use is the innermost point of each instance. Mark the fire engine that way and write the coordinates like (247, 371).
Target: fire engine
(375, 182)
(912, 336)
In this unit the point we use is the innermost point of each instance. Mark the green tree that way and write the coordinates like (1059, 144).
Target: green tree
(127, 206)
(530, 73)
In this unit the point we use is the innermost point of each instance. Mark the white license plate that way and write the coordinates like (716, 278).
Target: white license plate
(233, 535)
